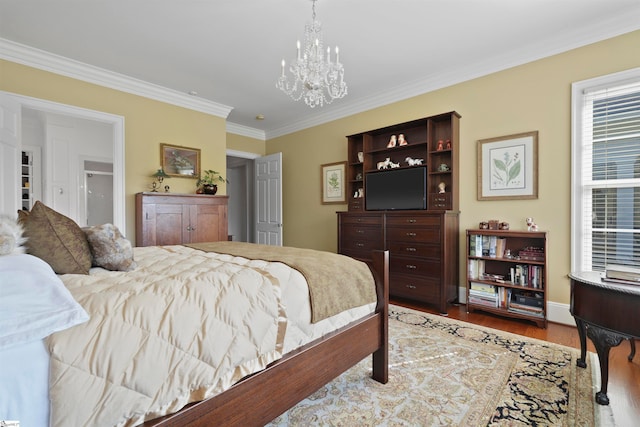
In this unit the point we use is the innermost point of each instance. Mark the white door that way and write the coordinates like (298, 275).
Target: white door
(9, 156)
(269, 199)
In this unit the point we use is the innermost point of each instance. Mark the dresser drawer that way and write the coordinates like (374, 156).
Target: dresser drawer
(420, 250)
(414, 266)
(413, 234)
(412, 220)
(359, 248)
(361, 232)
(361, 219)
(415, 288)
(440, 201)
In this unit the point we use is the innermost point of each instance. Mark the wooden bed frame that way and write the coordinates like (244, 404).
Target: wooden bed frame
(261, 397)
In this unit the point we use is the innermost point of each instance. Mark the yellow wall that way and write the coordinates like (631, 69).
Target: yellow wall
(246, 144)
(534, 96)
(147, 124)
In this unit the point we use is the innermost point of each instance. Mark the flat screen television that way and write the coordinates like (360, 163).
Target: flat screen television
(396, 189)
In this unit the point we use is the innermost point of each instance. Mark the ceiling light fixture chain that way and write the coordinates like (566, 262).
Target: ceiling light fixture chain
(314, 78)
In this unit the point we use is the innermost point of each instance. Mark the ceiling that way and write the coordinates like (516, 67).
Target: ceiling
(229, 51)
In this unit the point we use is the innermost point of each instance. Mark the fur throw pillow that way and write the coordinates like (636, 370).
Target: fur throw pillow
(11, 239)
(109, 248)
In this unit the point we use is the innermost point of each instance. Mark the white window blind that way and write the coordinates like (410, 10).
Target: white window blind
(607, 191)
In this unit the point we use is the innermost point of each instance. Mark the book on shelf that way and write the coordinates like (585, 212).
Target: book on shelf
(476, 268)
(531, 253)
(475, 245)
(482, 287)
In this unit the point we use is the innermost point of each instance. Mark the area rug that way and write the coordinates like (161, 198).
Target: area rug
(445, 372)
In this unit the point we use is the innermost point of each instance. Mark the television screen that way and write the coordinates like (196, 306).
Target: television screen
(396, 189)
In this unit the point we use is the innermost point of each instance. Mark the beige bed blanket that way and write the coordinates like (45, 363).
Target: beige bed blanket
(181, 327)
(336, 282)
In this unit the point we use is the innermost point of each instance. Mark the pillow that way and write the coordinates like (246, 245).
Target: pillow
(109, 248)
(58, 240)
(11, 239)
(35, 303)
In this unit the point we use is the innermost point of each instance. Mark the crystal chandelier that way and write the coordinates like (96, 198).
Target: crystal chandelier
(315, 78)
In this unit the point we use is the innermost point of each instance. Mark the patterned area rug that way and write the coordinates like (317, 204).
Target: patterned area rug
(445, 372)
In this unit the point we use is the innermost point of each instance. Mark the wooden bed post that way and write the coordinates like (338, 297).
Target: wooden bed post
(381, 275)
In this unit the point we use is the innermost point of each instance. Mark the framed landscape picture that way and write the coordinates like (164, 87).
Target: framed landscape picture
(508, 167)
(182, 162)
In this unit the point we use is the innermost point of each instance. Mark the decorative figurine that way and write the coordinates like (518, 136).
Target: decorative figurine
(394, 165)
(360, 156)
(401, 140)
(385, 164)
(440, 145)
(443, 167)
(360, 192)
(414, 162)
(392, 141)
(531, 226)
(448, 144)
(441, 187)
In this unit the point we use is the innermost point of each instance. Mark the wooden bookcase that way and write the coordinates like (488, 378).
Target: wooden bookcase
(507, 273)
(433, 139)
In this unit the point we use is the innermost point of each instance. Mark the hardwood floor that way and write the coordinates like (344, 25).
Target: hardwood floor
(624, 375)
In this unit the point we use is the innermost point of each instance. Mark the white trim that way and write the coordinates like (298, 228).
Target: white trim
(242, 154)
(119, 213)
(246, 131)
(559, 313)
(40, 59)
(578, 90)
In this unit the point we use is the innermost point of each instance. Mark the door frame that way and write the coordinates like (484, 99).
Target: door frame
(117, 122)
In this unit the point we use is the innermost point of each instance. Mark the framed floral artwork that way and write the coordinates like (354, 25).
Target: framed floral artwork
(182, 162)
(508, 167)
(333, 183)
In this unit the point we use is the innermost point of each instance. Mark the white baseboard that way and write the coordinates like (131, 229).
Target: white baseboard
(556, 312)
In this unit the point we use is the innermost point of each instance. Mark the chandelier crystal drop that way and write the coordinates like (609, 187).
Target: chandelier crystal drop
(313, 77)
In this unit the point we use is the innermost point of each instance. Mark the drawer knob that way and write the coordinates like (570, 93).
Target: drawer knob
(360, 231)
(360, 245)
(411, 267)
(411, 221)
(411, 234)
(411, 286)
(410, 249)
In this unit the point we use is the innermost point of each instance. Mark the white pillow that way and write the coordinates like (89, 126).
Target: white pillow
(34, 302)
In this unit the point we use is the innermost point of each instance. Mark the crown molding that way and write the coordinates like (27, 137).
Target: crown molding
(36, 58)
(246, 131)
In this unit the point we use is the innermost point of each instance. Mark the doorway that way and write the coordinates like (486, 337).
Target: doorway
(54, 141)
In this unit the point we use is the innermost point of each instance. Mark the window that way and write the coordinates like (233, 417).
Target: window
(605, 208)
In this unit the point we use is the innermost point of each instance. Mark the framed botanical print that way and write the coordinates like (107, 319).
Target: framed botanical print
(334, 183)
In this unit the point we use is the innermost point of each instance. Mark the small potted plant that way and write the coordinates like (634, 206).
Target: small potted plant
(207, 183)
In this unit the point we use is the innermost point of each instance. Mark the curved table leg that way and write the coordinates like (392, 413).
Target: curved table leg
(582, 363)
(633, 349)
(603, 340)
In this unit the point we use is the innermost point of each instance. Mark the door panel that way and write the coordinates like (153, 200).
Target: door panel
(269, 199)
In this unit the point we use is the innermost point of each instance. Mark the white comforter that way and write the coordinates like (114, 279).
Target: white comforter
(172, 331)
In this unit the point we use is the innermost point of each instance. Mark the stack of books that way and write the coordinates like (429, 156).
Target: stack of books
(483, 294)
(622, 274)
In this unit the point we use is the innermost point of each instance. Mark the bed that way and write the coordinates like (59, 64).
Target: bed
(258, 389)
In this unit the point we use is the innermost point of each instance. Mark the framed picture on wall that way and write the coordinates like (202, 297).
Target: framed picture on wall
(508, 167)
(182, 162)
(333, 183)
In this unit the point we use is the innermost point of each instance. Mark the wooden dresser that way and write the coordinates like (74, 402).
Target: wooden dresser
(173, 219)
(423, 250)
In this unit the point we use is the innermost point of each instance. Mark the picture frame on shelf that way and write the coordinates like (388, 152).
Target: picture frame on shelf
(180, 162)
(508, 167)
(333, 177)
